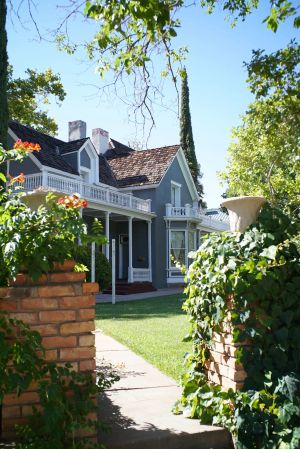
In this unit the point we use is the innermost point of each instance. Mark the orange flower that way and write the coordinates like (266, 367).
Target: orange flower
(20, 178)
(72, 201)
(26, 146)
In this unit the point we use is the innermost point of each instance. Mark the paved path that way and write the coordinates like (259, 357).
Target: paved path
(136, 296)
(138, 407)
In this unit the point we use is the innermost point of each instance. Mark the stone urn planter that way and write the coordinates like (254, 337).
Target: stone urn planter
(243, 211)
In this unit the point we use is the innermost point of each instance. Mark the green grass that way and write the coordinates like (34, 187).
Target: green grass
(153, 328)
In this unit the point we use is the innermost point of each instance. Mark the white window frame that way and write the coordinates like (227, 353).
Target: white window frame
(176, 188)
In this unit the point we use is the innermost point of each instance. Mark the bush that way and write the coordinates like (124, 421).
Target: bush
(82, 255)
(260, 270)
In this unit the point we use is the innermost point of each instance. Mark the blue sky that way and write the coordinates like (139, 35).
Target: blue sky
(217, 82)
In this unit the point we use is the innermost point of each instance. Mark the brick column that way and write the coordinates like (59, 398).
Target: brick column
(61, 307)
(223, 368)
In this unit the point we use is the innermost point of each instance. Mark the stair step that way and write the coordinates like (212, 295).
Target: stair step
(123, 288)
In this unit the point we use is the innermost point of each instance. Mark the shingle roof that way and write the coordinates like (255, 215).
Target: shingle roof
(50, 146)
(142, 167)
(117, 149)
(105, 172)
(74, 145)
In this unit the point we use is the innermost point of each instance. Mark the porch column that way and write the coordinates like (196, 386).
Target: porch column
(107, 214)
(149, 250)
(130, 274)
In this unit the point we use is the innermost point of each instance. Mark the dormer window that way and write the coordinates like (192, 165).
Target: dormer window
(85, 160)
(175, 194)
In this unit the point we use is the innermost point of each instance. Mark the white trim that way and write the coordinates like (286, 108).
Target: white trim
(187, 174)
(176, 184)
(60, 172)
(144, 187)
(130, 273)
(175, 280)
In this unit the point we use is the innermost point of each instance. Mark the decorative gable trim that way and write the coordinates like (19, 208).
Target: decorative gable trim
(187, 174)
(91, 150)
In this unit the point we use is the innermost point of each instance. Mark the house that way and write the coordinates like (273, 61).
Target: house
(147, 200)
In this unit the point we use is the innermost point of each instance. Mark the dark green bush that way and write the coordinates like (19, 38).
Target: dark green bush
(260, 270)
(82, 255)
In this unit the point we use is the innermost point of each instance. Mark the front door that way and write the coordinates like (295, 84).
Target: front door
(123, 256)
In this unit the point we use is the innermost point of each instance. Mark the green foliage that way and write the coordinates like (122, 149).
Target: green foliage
(35, 240)
(251, 280)
(25, 95)
(186, 137)
(280, 10)
(82, 254)
(3, 75)
(66, 396)
(264, 155)
(19, 362)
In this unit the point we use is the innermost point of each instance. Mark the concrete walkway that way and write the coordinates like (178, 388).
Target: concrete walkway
(136, 296)
(138, 407)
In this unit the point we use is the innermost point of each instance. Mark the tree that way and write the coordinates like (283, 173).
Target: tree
(130, 33)
(3, 75)
(264, 155)
(25, 95)
(186, 137)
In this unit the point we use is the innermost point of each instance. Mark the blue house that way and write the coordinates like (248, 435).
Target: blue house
(147, 200)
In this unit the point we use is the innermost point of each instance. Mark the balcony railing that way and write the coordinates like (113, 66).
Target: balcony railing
(188, 212)
(92, 192)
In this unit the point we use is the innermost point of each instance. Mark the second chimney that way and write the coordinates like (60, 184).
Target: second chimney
(100, 140)
(77, 130)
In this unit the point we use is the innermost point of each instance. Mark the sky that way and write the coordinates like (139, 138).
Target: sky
(216, 77)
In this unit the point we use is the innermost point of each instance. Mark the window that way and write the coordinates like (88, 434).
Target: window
(177, 248)
(192, 241)
(175, 194)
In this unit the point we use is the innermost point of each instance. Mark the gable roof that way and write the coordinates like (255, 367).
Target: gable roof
(105, 172)
(49, 154)
(117, 149)
(146, 167)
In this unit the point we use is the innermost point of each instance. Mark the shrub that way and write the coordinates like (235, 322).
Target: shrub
(82, 255)
(260, 270)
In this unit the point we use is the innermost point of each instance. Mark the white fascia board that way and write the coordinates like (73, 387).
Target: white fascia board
(59, 172)
(145, 187)
(30, 155)
(187, 174)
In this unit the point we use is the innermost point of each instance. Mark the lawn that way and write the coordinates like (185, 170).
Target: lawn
(153, 328)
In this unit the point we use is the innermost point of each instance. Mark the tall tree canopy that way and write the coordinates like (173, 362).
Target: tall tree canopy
(264, 155)
(131, 32)
(186, 137)
(27, 95)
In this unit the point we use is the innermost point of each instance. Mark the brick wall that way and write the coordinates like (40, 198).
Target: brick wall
(61, 307)
(223, 368)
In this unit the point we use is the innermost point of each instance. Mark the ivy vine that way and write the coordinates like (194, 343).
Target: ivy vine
(259, 271)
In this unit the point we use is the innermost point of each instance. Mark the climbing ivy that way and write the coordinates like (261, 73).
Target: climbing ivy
(252, 282)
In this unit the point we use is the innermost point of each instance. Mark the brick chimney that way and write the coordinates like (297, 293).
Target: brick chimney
(77, 130)
(100, 139)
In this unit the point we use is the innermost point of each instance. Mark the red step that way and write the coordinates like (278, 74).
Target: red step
(123, 288)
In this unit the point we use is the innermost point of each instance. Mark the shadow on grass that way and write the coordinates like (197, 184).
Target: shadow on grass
(159, 307)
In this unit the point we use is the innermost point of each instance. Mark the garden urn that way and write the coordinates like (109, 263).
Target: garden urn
(243, 211)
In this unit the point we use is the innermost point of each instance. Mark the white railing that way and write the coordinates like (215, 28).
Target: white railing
(92, 192)
(188, 211)
(142, 274)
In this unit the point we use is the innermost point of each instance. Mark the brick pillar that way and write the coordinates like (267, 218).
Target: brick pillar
(61, 307)
(223, 368)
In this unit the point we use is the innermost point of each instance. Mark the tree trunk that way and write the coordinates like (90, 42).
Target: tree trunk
(3, 76)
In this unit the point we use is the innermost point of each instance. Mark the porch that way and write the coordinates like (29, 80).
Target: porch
(125, 218)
